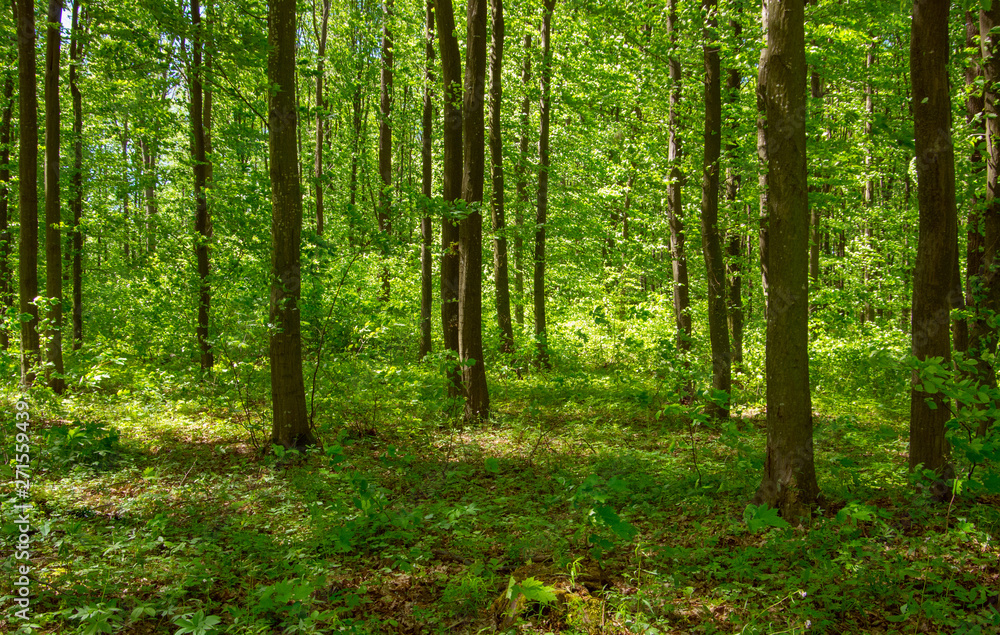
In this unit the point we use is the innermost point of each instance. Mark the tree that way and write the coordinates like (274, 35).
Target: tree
(77, 35)
(544, 113)
(290, 427)
(735, 239)
(496, 158)
(27, 188)
(53, 209)
(675, 209)
(200, 167)
(427, 174)
(522, 185)
(938, 231)
(789, 482)
(6, 275)
(385, 140)
(321, 113)
(470, 244)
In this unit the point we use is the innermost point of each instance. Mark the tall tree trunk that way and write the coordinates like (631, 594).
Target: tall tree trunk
(470, 244)
(715, 265)
(815, 210)
(321, 115)
(675, 210)
(126, 192)
(385, 143)
(6, 275)
(735, 237)
(938, 233)
(983, 332)
(426, 228)
(496, 155)
(544, 109)
(53, 209)
(868, 314)
(202, 220)
(76, 48)
(146, 146)
(352, 210)
(789, 481)
(290, 427)
(451, 172)
(27, 189)
(522, 185)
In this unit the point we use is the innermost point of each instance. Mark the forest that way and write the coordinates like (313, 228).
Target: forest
(537, 316)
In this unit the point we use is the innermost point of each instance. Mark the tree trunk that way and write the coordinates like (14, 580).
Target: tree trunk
(868, 314)
(789, 481)
(675, 210)
(470, 245)
(715, 265)
(320, 115)
(6, 275)
(27, 189)
(544, 107)
(426, 228)
(202, 220)
(522, 185)
(53, 209)
(938, 231)
(735, 238)
(290, 427)
(76, 182)
(496, 156)
(385, 144)
(451, 186)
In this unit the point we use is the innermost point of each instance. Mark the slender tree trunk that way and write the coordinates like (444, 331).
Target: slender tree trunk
(385, 143)
(352, 210)
(470, 245)
(76, 182)
(290, 426)
(711, 242)
(321, 116)
(815, 210)
(27, 189)
(451, 186)
(789, 481)
(202, 219)
(735, 238)
(126, 192)
(938, 231)
(522, 185)
(868, 314)
(544, 109)
(426, 228)
(146, 146)
(6, 275)
(675, 210)
(496, 156)
(53, 208)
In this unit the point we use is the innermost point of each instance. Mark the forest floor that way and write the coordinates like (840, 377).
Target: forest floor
(586, 505)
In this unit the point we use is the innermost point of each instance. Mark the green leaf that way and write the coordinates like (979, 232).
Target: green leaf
(492, 465)
(534, 590)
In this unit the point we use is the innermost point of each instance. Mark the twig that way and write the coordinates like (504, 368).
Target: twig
(188, 472)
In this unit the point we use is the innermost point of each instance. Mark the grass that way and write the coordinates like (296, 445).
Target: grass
(154, 514)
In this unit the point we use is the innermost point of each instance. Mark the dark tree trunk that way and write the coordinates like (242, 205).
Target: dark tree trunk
(973, 117)
(522, 185)
(470, 245)
(6, 275)
(938, 231)
(815, 210)
(427, 175)
(356, 120)
(715, 265)
(868, 314)
(53, 208)
(451, 186)
(385, 144)
(789, 481)
(544, 108)
(76, 182)
(27, 189)
(202, 220)
(320, 115)
(290, 426)
(496, 156)
(146, 146)
(675, 210)
(735, 238)
(763, 241)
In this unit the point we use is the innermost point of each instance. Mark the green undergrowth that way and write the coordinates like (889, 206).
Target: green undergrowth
(597, 498)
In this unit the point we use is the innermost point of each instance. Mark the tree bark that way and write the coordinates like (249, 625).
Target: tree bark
(202, 219)
(385, 143)
(470, 246)
(76, 48)
(763, 241)
(522, 185)
(6, 275)
(451, 186)
(734, 249)
(544, 111)
(868, 314)
(320, 116)
(715, 265)
(974, 244)
(290, 426)
(496, 155)
(675, 210)
(789, 481)
(53, 208)
(426, 228)
(932, 279)
(27, 189)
